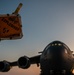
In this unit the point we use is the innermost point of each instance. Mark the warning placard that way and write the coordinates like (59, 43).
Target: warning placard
(10, 26)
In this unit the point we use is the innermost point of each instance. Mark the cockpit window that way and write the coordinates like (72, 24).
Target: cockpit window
(56, 44)
(52, 45)
(59, 44)
(55, 47)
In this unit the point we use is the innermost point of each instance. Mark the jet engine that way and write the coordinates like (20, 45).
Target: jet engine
(24, 62)
(4, 66)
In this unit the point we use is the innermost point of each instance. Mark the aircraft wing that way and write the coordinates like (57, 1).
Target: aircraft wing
(23, 62)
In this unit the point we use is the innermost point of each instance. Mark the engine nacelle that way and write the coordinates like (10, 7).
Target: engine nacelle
(24, 62)
(4, 66)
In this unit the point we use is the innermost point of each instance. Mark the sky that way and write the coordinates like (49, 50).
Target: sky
(43, 21)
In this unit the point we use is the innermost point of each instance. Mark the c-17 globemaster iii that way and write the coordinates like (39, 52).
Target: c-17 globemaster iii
(55, 59)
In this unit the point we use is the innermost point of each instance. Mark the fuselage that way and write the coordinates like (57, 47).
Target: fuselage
(56, 58)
